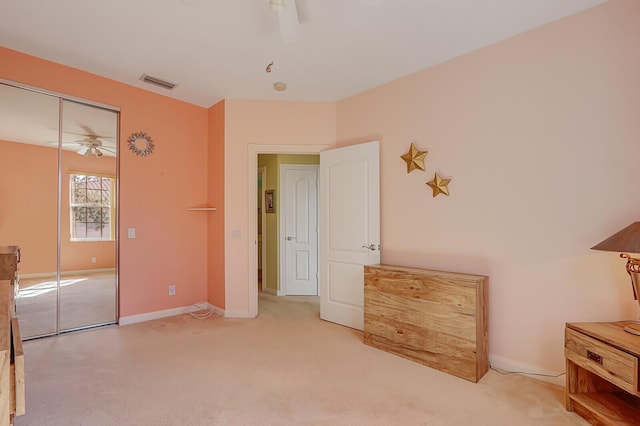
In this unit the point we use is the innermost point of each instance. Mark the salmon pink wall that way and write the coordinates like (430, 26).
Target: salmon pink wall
(29, 204)
(28, 212)
(215, 195)
(540, 136)
(171, 243)
(262, 123)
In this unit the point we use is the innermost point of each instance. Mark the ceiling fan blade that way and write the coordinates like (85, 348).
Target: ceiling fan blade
(88, 130)
(374, 3)
(89, 135)
(54, 144)
(289, 23)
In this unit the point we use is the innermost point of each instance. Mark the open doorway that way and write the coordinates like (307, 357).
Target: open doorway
(254, 152)
(349, 188)
(287, 243)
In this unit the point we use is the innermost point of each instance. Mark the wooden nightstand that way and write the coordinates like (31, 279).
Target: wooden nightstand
(603, 372)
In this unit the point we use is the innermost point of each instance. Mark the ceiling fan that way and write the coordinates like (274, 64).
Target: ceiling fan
(91, 146)
(288, 17)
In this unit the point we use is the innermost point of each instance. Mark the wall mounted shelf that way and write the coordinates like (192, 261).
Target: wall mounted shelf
(202, 209)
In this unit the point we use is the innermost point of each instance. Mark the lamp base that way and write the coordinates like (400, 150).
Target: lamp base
(633, 328)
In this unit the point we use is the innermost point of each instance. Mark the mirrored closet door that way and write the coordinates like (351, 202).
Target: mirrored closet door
(58, 184)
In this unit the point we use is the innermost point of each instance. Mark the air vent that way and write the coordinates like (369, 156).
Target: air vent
(157, 82)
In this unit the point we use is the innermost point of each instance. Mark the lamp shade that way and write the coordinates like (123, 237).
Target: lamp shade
(624, 241)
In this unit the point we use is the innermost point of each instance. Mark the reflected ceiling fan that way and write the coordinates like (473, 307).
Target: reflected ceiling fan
(91, 146)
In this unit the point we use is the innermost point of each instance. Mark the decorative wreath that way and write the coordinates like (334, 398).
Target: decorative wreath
(140, 138)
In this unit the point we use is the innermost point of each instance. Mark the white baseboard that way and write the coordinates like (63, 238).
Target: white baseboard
(67, 273)
(508, 365)
(216, 310)
(133, 319)
(237, 314)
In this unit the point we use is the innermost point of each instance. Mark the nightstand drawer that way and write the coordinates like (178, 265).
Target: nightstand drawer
(614, 365)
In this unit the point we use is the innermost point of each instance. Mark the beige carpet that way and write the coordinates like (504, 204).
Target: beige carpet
(287, 367)
(85, 299)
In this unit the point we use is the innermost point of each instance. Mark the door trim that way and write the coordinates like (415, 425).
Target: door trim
(281, 201)
(252, 235)
(262, 171)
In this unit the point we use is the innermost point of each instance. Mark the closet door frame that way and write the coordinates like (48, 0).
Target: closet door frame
(61, 99)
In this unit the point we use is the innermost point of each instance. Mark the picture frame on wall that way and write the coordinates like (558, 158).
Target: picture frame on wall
(270, 200)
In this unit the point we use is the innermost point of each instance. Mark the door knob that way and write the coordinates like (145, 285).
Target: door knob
(371, 247)
(289, 238)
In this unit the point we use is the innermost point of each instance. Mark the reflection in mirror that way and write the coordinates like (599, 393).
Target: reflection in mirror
(80, 289)
(87, 216)
(29, 202)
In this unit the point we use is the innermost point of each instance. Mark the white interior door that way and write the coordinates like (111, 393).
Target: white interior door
(350, 229)
(299, 230)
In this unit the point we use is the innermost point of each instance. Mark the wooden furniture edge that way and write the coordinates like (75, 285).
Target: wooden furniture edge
(607, 334)
(18, 373)
(428, 272)
(482, 328)
(590, 393)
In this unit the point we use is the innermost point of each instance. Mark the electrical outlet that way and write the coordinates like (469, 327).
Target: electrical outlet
(172, 290)
(93, 260)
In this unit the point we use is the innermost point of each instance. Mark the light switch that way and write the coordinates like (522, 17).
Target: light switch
(131, 232)
(236, 234)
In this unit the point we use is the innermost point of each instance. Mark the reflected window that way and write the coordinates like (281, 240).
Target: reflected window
(92, 207)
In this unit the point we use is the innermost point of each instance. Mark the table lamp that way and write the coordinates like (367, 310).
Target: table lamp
(627, 241)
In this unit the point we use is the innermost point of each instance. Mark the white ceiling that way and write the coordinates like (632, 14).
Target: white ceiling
(215, 49)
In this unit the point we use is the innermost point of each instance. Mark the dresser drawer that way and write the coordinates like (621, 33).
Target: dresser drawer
(614, 365)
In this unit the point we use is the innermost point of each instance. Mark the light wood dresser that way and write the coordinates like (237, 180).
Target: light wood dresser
(12, 392)
(438, 319)
(602, 372)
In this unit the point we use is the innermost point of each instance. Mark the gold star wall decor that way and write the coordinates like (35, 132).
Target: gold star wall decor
(439, 185)
(414, 158)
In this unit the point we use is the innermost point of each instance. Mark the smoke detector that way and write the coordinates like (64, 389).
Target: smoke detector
(280, 86)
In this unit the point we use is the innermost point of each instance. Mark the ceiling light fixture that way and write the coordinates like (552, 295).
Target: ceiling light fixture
(276, 4)
(93, 152)
(280, 86)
